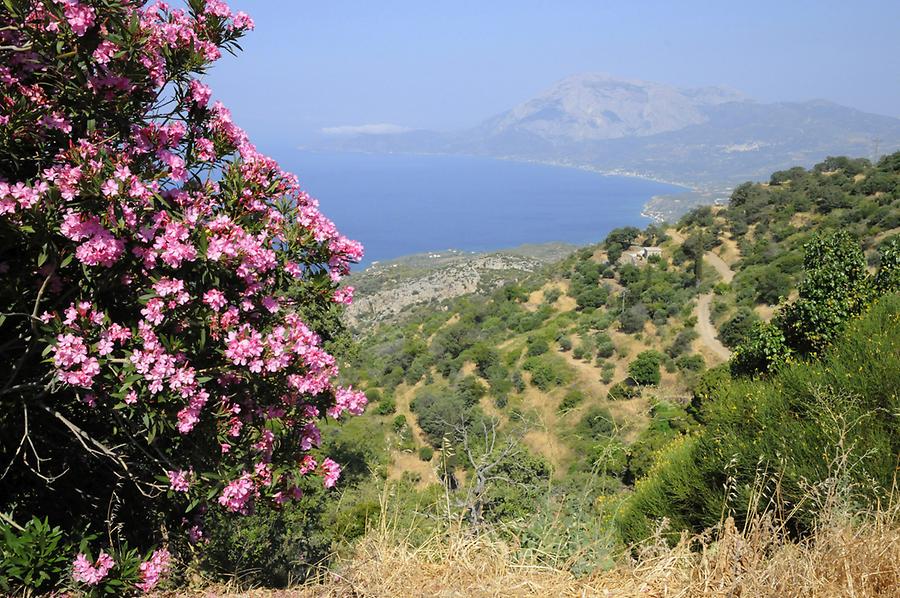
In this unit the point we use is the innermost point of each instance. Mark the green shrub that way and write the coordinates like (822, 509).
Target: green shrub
(35, 559)
(548, 371)
(572, 399)
(623, 391)
(667, 422)
(644, 370)
(734, 331)
(400, 423)
(633, 319)
(596, 424)
(690, 363)
(470, 390)
(537, 345)
(605, 346)
(607, 372)
(426, 453)
(440, 414)
(518, 381)
(386, 406)
(682, 342)
(551, 295)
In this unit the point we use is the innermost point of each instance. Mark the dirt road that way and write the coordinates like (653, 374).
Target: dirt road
(707, 331)
(705, 328)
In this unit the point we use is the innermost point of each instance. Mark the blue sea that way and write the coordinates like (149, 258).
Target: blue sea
(403, 204)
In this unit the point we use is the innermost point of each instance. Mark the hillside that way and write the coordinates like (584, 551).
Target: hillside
(556, 346)
(734, 375)
(706, 138)
(386, 289)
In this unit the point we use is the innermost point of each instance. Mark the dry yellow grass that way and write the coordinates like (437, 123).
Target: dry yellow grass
(852, 557)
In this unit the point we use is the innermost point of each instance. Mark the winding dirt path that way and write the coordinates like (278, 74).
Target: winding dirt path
(719, 265)
(705, 329)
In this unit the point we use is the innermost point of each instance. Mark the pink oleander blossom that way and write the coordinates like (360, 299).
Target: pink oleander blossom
(347, 399)
(215, 299)
(79, 16)
(243, 345)
(200, 93)
(92, 573)
(238, 495)
(153, 569)
(343, 295)
(332, 471)
(179, 480)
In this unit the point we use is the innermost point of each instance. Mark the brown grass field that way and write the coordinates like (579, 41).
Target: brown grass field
(848, 556)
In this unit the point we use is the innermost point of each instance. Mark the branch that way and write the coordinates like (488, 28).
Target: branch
(21, 443)
(101, 449)
(10, 521)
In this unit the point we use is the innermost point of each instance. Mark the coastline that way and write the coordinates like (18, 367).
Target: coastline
(699, 194)
(687, 186)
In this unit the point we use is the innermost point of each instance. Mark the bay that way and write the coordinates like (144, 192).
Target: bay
(399, 205)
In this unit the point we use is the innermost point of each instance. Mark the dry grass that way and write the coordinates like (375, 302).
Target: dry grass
(853, 557)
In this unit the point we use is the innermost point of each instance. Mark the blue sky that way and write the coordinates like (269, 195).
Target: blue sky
(449, 64)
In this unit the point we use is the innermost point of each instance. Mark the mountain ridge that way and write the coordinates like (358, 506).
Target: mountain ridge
(704, 138)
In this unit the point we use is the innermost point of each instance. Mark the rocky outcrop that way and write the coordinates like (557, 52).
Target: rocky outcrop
(387, 290)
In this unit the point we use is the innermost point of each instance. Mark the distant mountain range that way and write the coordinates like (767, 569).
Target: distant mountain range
(704, 138)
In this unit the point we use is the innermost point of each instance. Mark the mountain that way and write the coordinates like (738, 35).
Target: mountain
(704, 138)
(594, 107)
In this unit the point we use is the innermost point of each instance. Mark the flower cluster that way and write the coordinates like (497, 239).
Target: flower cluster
(92, 573)
(153, 569)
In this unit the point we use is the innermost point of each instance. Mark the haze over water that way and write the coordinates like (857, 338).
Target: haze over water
(398, 205)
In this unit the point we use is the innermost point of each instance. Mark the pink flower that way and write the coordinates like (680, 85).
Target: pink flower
(218, 8)
(79, 16)
(92, 574)
(195, 534)
(100, 248)
(215, 299)
(189, 417)
(110, 188)
(243, 21)
(206, 151)
(243, 346)
(347, 399)
(271, 304)
(344, 295)
(153, 311)
(238, 495)
(153, 569)
(55, 120)
(307, 464)
(179, 480)
(105, 51)
(199, 92)
(332, 472)
(172, 287)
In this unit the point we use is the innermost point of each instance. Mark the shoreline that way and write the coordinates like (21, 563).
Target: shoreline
(687, 189)
(687, 186)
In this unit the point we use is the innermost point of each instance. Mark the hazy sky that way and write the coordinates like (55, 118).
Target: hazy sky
(450, 64)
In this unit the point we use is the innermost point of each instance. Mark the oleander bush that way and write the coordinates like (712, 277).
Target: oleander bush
(169, 293)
